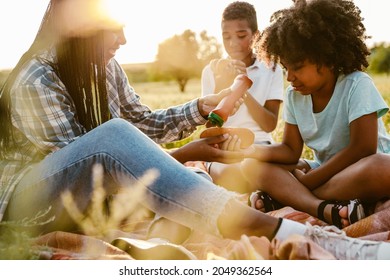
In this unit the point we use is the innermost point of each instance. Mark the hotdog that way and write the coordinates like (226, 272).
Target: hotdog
(246, 135)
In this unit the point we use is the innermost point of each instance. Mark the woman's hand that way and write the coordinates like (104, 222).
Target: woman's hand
(208, 103)
(210, 149)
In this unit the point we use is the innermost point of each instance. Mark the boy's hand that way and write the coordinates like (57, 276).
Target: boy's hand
(225, 71)
(239, 66)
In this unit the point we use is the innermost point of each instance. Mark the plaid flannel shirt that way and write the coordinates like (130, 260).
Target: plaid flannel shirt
(43, 115)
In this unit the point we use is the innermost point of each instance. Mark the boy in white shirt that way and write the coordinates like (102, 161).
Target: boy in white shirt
(261, 107)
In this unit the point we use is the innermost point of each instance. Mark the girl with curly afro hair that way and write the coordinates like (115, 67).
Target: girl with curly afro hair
(333, 107)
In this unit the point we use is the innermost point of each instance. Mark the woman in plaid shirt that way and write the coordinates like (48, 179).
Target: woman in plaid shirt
(67, 105)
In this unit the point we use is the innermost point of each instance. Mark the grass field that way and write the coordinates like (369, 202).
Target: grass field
(165, 94)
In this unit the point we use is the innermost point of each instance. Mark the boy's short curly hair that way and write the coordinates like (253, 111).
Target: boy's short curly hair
(242, 11)
(325, 32)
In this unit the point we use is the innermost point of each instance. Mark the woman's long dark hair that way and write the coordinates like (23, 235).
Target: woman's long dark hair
(80, 66)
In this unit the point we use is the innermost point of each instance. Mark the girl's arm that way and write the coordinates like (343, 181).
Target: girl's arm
(287, 152)
(363, 142)
(265, 116)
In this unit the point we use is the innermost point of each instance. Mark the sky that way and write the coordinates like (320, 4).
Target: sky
(150, 22)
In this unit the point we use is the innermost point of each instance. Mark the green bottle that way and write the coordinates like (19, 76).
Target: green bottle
(221, 113)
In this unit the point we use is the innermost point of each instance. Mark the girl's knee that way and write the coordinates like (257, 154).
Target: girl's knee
(381, 159)
(375, 162)
(249, 166)
(256, 171)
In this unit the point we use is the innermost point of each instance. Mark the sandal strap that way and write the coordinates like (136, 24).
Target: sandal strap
(336, 219)
(269, 203)
(321, 208)
(355, 211)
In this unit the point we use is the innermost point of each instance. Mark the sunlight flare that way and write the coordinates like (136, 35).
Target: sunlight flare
(116, 9)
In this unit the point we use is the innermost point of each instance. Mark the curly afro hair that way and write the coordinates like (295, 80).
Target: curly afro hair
(325, 32)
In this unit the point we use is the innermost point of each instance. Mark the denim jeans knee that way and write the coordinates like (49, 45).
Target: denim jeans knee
(126, 154)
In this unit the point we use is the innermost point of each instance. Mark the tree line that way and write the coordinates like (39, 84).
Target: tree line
(183, 56)
(380, 58)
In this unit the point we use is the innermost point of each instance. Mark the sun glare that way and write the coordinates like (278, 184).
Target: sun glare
(149, 22)
(116, 9)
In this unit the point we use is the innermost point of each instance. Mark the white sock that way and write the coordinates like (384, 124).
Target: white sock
(289, 227)
(384, 251)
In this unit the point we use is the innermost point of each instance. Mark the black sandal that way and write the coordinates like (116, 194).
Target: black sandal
(356, 211)
(269, 203)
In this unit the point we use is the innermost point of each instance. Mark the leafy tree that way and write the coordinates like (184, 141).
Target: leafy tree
(183, 57)
(380, 59)
(209, 48)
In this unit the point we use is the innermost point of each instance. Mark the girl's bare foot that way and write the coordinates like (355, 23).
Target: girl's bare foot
(263, 202)
(344, 216)
(344, 212)
(259, 205)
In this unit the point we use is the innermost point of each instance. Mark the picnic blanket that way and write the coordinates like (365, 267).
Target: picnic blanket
(65, 245)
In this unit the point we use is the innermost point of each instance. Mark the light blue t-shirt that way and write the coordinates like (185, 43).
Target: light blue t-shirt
(327, 132)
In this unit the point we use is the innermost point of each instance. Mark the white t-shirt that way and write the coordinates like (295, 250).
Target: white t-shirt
(327, 132)
(267, 85)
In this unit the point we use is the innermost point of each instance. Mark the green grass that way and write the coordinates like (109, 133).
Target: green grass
(382, 82)
(165, 94)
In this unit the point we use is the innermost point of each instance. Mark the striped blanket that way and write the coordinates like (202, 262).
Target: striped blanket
(63, 245)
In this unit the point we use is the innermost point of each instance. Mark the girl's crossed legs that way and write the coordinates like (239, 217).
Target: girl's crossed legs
(366, 180)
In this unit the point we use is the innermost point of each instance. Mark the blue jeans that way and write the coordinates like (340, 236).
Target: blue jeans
(125, 154)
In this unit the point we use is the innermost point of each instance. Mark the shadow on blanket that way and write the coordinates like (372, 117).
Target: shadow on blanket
(63, 245)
